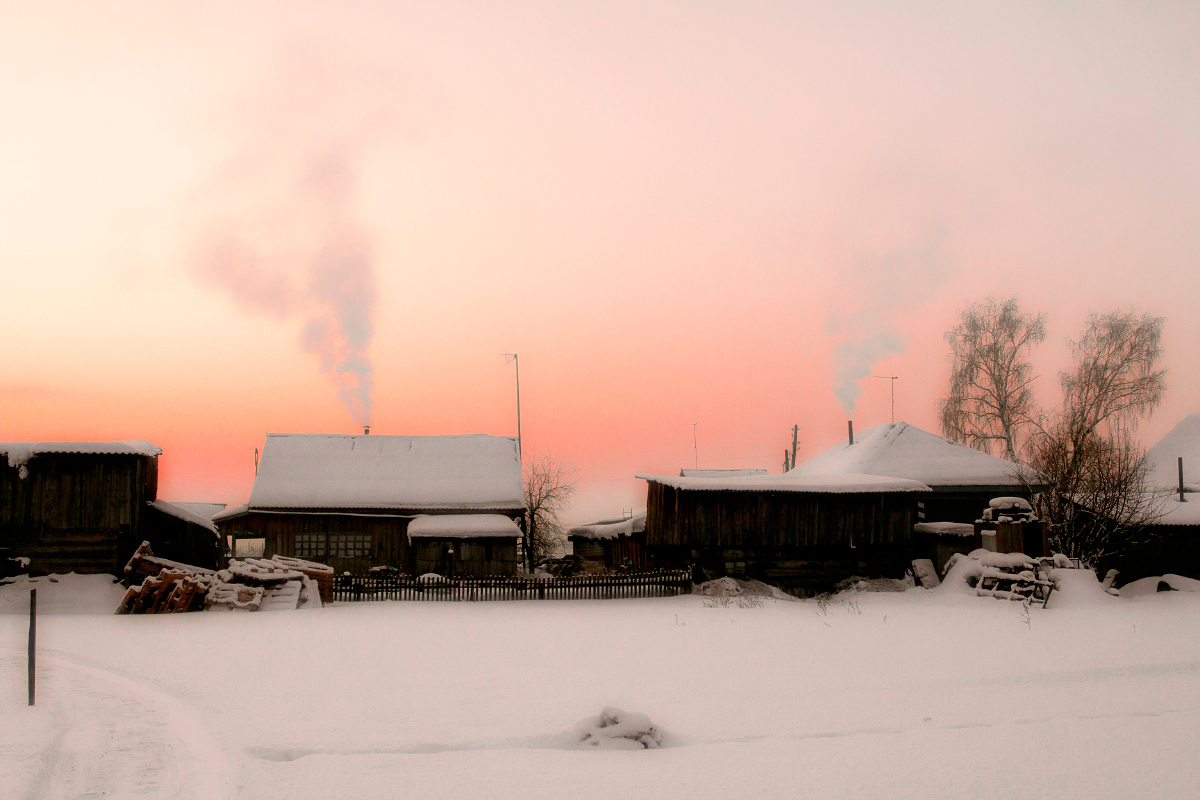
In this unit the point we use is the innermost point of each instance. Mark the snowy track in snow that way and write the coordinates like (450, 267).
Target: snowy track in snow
(116, 737)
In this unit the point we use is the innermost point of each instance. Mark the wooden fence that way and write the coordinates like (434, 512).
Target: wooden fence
(348, 588)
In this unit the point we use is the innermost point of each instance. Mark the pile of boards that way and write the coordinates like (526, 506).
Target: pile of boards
(1013, 576)
(250, 584)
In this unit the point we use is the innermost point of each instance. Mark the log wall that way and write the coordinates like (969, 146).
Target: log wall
(75, 512)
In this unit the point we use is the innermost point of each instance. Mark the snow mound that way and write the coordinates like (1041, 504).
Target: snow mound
(1004, 560)
(1076, 587)
(732, 587)
(1159, 583)
(961, 574)
(858, 584)
(615, 729)
(68, 594)
(1182, 584)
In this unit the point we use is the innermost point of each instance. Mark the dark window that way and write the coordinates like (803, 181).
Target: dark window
(349, 545)
(310, 545)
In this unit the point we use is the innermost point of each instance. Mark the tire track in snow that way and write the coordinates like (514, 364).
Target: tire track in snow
(121, 733)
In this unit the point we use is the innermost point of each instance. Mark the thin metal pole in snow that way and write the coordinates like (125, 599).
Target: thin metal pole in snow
(696, 444)
(32, 639)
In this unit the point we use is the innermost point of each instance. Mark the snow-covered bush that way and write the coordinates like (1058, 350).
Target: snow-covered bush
(615, 729)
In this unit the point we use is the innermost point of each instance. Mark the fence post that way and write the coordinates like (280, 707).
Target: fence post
(32, 640)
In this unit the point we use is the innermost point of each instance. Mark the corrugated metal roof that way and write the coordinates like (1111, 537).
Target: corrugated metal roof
(20, 452)
(337, 471)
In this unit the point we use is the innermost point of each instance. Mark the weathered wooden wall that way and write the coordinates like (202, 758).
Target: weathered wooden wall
(389, 545)
(805, 542)
(388, 537)
(1166, 549)
(694, 519)
(962, 503)
(618, 551)
(475, 558)
(75, 512)
(180, 540)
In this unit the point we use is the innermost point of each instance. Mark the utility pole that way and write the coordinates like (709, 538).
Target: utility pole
(795, 441)
(785, 460)
(893, 379)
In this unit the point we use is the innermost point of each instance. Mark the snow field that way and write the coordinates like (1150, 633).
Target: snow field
(875, 695)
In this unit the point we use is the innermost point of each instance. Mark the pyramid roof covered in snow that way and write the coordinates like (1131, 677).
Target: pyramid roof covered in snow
(900, 450)
(1163, 459)
(337, 471)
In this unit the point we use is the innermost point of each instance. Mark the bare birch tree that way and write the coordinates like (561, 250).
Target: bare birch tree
(991, 403)
(549, 483)
(1092, 476)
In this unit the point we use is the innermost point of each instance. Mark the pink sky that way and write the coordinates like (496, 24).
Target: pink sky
(675, 213)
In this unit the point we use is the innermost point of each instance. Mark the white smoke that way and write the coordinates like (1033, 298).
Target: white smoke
(883, 290)
(853, 360)
(302, 256)
(278, 224)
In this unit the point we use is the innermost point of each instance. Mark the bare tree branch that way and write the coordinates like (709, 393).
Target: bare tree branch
(990, 402)
(549, 483)
(1095, 494)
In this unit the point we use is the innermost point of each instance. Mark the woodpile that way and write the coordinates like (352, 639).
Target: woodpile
(250, 584)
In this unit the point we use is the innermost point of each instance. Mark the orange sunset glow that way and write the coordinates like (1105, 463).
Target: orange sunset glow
(225, 219)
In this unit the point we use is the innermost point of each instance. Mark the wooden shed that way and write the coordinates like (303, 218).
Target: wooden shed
(347, 500)
(476, 545)
(86, 506)
(1172, 543)
(615, 543)
(801, 533)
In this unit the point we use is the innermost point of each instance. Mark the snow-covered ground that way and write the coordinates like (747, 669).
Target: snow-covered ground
(920, 694)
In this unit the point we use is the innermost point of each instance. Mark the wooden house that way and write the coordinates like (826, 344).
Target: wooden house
(348, 500)
(962, 480)
(802, 533)
(612, 542)
(719, 473)
(86, 506)
(1172, 543)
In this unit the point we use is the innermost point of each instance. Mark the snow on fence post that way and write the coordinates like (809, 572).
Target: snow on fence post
(32, 640)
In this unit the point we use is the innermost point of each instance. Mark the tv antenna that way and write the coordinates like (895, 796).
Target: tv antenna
(696, 444)
(511, 358)
(893, 379)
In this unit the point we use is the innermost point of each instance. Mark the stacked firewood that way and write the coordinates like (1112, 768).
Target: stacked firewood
(249, 584)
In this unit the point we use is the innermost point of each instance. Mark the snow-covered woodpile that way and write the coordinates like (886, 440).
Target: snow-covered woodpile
(1005, 576)
(248, 585)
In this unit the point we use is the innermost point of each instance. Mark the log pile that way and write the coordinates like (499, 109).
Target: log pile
(249, 584)
(321, 573)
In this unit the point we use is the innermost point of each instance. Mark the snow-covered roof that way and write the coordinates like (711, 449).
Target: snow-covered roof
(338, 471)
(610, 528)
(1177, 513)
(19, 453)
(462, 526)
(900, 450)
(195, 513)
(1163, 459)
(719, 473)
(793, 482)
(230, 513)
(945, 528)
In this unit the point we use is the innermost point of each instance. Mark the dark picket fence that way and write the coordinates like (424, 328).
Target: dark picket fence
(348, 588)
